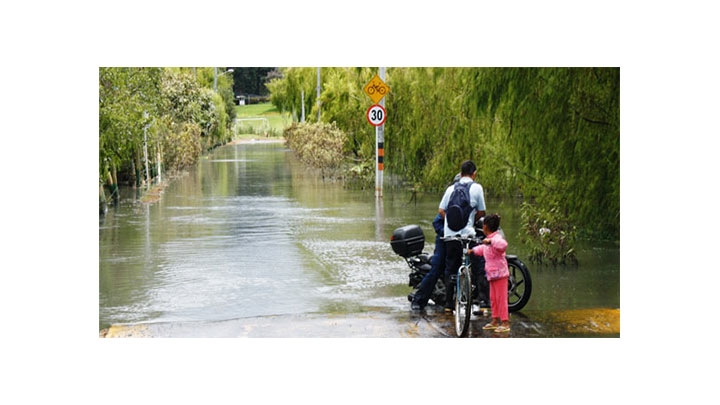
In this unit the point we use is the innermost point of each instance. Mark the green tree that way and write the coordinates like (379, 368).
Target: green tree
(549, 135)
(154, 119)
(557, 130)
(128, 98)
(287, 92)
(252, 80)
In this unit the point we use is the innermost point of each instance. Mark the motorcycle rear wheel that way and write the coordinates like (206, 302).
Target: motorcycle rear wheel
(519, 285)
(463, 302)
(438, 294)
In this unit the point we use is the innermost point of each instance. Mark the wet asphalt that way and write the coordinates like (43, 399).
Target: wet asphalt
(432, 322)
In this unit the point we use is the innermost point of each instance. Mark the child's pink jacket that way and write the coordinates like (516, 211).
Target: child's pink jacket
(495, 263)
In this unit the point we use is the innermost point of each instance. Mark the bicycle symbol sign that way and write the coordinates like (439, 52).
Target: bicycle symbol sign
(376, 89)
(376, 115)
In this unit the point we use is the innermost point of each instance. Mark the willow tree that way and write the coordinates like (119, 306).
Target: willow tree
(342, 102)
(558, 131)
(428, 132)
(287, 93)
(550, 135)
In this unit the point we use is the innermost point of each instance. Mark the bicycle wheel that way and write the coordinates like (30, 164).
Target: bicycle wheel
(519, 285)
(463, 302)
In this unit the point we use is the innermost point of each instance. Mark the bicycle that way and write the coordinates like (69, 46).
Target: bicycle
(371, 89)
(463, 287)
(408, 242)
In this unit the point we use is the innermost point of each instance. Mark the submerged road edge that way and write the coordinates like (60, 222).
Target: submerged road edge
(596, 322)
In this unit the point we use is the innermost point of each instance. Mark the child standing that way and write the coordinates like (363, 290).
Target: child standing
(496, 270)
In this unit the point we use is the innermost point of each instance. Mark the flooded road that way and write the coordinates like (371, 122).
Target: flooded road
(378, 323)
(251, 244)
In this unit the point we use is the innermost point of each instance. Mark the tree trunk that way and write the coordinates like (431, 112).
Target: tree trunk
(138, 169)
(103, 200)
(112, 183)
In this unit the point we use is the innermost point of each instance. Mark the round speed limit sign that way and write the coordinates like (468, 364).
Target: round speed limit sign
(376, 115)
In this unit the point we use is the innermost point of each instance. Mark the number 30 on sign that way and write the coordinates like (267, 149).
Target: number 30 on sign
(376, 115)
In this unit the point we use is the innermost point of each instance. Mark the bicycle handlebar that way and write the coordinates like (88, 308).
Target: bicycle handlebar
(463, 239)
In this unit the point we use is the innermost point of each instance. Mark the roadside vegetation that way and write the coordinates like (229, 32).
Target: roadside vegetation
(155, 122)
(548, 137)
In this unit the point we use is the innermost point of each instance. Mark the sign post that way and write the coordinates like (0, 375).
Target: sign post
(376, 89)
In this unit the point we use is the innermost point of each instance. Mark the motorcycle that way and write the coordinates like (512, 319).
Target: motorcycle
(408, 242)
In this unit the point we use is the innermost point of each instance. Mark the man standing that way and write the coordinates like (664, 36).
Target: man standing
(454, 249)
(437, 269)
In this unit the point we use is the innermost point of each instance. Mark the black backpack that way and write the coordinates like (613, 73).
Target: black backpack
(459, 208)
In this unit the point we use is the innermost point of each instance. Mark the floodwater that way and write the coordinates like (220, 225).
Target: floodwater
(250, 237)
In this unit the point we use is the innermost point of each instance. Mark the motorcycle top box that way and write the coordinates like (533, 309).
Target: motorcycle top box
(408, 241)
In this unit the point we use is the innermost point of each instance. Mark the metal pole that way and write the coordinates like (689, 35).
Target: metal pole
(378, 187)
(302, 103)
(147, 165)
(380, 150)
(215, 81)
(318, 92)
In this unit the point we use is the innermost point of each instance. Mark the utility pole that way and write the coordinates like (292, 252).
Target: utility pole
(318, 93)
(302, 104)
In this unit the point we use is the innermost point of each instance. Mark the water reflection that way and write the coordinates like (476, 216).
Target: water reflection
(250, 232)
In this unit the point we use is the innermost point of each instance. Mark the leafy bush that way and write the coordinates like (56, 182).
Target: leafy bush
(548, 233)
(317, 145)
(181, 145)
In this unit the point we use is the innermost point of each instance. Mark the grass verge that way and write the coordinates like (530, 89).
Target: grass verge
(260, 119)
